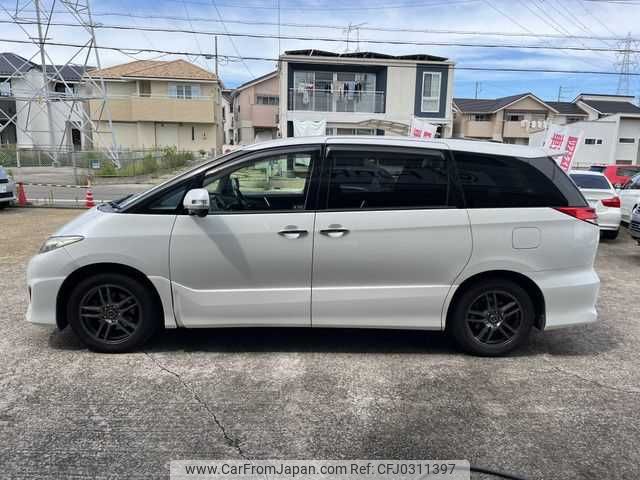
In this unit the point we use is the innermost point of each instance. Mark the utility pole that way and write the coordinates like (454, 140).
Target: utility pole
(215, 50)
(559, 93)
(478, 89)
(45, 82)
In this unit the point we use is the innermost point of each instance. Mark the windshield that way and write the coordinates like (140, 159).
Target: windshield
(583, 180)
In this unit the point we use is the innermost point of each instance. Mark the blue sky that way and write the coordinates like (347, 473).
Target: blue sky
(538, 17)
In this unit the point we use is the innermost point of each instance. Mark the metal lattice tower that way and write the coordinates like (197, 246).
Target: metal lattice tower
(627, 63)
(66, 106)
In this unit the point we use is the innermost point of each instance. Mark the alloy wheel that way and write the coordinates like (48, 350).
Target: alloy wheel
(110, 313)
(494, 317)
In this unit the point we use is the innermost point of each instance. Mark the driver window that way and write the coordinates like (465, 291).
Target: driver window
(277, 182)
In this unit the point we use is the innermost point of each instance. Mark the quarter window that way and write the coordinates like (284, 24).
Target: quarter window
(431, 91)
(362, 180)
(279, 182)
(492, 181)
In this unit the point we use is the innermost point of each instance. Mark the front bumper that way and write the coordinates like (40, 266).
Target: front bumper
(45, 274)
(634, 227)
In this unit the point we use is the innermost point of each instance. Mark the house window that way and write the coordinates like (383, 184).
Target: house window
(145, 88)
(224, 116)
(5, 88)
(593, 141)
(431, 92)
(514, 116)
(184, 90)
(193, 133)
(267, 100)
(481, 117)
(626, 140)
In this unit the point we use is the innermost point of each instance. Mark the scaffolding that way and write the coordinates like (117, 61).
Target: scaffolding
(37, 87)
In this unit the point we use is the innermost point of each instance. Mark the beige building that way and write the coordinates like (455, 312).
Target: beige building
(255, 110)
(154, 104)
(511, 119)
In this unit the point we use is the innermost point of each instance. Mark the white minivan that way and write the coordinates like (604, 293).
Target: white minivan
(482, 240)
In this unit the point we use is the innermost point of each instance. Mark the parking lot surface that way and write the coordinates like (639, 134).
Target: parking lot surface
(566, 406)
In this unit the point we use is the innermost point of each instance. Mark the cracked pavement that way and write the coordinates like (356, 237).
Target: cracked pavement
(563, 407)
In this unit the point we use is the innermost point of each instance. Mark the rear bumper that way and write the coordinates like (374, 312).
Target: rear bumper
(570, 296)
(609, 219)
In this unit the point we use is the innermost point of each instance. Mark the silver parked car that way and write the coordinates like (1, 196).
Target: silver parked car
(7, 189)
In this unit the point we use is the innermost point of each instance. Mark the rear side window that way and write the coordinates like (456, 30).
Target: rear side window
(494, 181)
(387, 179)
(627, 171)
(590, 181)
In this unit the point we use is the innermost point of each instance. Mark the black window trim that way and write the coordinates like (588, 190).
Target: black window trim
(455, 200)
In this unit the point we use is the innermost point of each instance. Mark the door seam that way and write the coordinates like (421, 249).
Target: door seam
(313, 245)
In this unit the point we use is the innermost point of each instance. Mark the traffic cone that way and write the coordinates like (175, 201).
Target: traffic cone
(22, 197)
(88, 198)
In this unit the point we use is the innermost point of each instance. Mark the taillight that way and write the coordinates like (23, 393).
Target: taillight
(611, 202)
(586, 214)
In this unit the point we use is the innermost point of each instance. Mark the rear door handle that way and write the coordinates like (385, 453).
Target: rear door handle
(292, 232)
(334, 232)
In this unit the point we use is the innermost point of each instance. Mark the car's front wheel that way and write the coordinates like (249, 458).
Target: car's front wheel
(492, 318)
(112, 313)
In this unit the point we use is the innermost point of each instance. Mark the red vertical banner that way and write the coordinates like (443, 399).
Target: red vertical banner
(570, 153)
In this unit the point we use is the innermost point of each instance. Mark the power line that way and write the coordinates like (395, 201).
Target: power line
(131, 50)
(233, 44)
(528, 33)
(332, 39)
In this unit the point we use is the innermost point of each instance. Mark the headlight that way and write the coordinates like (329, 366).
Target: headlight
(53, 243)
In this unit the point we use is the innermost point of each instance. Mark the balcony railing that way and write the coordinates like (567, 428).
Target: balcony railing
(319, 100)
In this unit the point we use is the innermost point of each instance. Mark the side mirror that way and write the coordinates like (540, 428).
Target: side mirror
(196, 202)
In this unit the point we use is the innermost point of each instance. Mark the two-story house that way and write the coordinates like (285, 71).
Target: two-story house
(25, 120)
(256, 106)
(364, 93)
(511, 119)
(155, 104)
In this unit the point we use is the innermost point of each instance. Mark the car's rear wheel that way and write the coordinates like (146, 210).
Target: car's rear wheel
(492, 318)
(111, 312)
(609, 234)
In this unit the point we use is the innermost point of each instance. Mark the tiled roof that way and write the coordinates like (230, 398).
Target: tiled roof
(69, 73)
(10, 63)
(323, 53)
(479, 105)
(567, 108)
(612, 106)
(176, 69)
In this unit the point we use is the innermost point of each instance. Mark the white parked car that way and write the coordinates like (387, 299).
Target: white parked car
(7, 189)
(481, 239)
(601, 195)
(629, 197)
(634, 224)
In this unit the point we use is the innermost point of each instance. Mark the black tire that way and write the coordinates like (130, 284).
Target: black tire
(484, 330)
(112, 312)
(609, 234)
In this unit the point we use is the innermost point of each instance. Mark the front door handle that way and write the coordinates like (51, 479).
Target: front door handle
(334, 232)
(292, 232)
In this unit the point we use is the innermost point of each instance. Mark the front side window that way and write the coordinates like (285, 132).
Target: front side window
(275, 183)
(387, 180)
(494, 181)
(431, 91)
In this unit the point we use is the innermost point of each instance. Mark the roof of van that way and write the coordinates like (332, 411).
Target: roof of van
(438, 143)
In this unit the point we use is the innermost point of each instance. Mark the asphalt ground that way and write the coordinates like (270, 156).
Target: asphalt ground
(566, 406)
